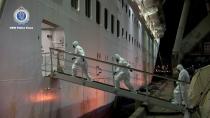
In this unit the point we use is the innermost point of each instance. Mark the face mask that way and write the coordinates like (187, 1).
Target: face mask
(117, 60)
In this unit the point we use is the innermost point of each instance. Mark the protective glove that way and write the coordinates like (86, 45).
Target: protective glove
(114, 73)
(131, 70)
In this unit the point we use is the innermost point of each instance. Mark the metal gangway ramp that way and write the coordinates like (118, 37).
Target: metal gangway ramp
(60, 74)
(120, 92)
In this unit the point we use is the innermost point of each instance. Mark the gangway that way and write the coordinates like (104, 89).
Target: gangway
(121, 92)
(144, 97)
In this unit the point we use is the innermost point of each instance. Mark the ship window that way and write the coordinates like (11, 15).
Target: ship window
(126, 35)
(136, 42)
(98, 11)
(118, 28)
(129, 37)
(129, 13)
(74, 4)
(132, 40)
(105, 18)
(1, 6)
(122, 32)
(88, 8)
(112, 24)
(126, 8)
(132, 17)
(122, 3)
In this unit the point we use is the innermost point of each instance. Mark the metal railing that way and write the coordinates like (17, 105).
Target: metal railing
(113, 64)
(107, 68)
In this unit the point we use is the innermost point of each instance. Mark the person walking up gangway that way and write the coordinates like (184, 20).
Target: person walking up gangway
(121, 73)
(79, 61)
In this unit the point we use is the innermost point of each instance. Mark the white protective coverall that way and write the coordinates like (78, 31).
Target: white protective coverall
(180, 92)
(79, 61)
(121, 73)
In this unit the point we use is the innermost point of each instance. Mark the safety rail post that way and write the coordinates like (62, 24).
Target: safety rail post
(51, 61)
(58, 62)
(45, 65)
(113, 75)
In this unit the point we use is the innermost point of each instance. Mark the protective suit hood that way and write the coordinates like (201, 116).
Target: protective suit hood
(75, 43)
(117, 56)
(179, 67)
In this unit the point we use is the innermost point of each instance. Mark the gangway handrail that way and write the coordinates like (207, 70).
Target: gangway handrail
(110, 63)
(122, 92)
(90, 66)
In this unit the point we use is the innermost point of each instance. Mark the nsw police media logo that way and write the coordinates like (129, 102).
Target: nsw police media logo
(21, 16)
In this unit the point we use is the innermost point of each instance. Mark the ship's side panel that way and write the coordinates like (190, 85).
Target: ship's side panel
(20, 83)
(76, 100)
(23, 90)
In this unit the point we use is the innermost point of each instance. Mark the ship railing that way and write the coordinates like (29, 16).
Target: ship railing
(102, 71)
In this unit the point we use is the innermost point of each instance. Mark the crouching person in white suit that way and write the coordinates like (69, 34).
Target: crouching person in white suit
(79, 61)
(121, 73)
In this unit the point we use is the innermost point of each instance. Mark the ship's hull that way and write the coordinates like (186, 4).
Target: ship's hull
(25, 93)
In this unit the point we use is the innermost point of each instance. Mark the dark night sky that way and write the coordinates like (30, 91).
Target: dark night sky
(172, 10)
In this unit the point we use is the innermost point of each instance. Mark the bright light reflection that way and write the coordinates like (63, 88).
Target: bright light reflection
(43, 96)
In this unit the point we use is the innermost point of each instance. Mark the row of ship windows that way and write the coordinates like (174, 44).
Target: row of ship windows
(75, 5)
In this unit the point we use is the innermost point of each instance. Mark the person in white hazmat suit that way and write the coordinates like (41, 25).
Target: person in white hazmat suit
(180, 92)
(79, 61)
(121, 73)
